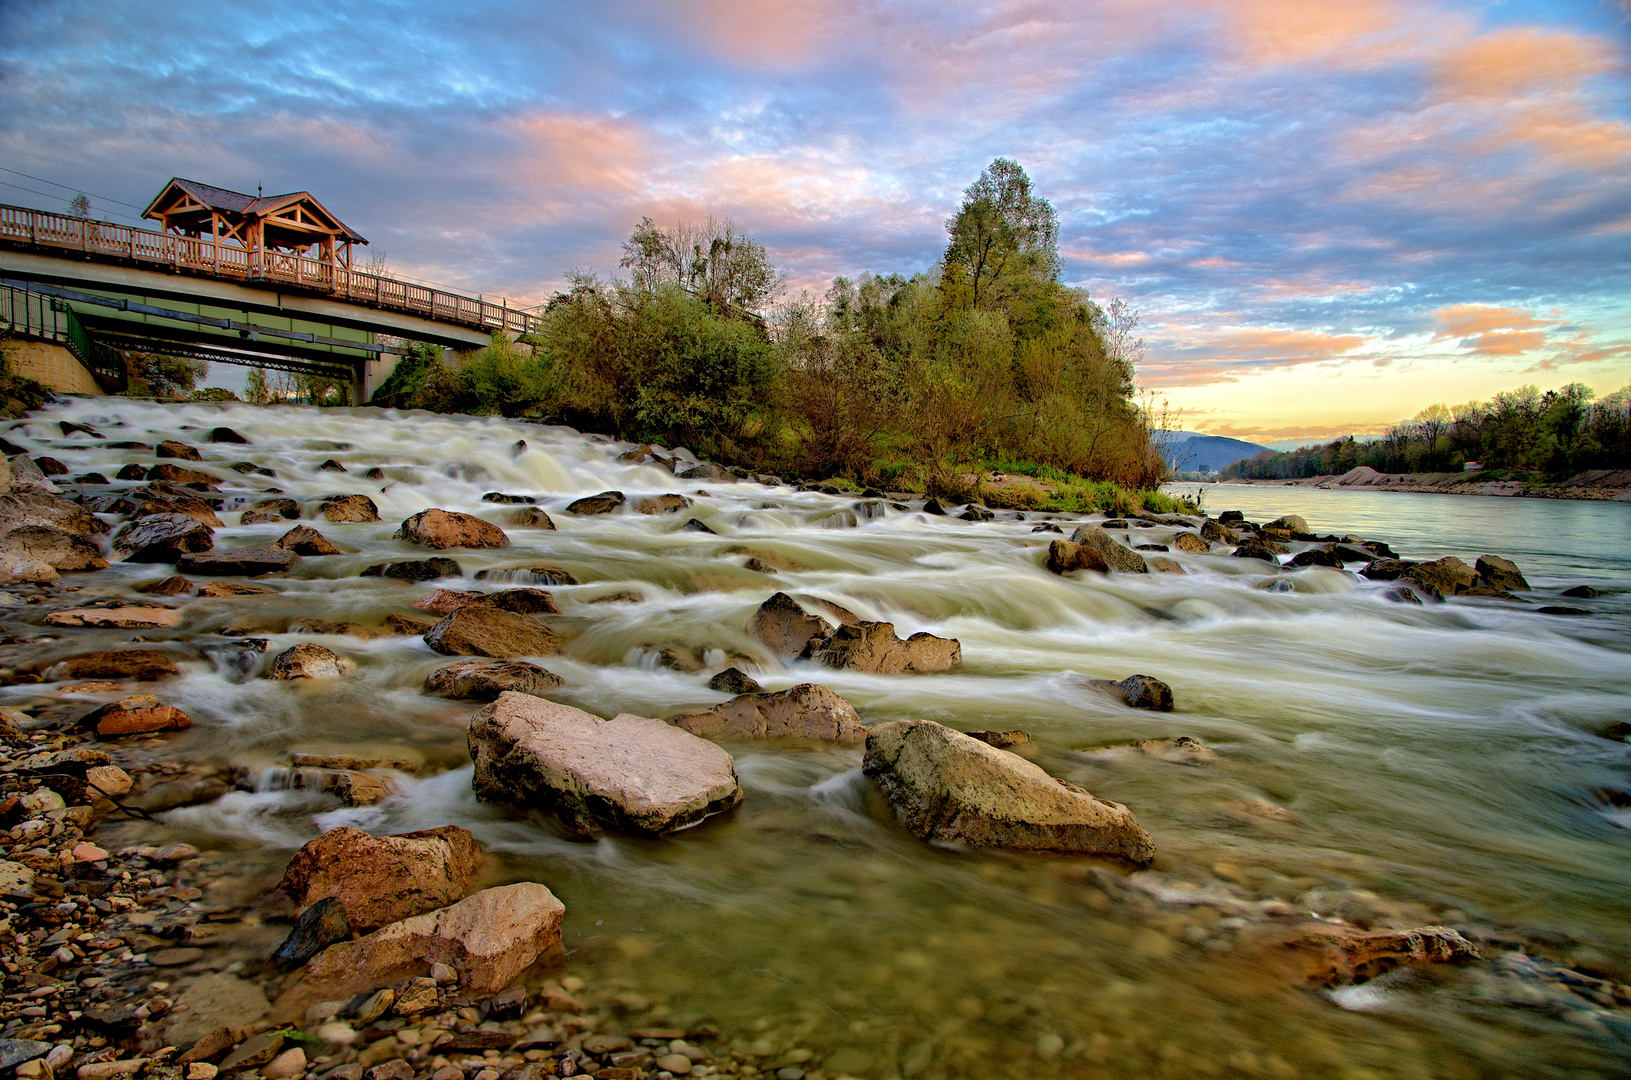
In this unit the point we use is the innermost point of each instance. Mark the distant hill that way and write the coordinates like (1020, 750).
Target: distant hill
(1209, 453)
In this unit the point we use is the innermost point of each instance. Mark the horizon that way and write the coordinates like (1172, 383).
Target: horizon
(1429, 204)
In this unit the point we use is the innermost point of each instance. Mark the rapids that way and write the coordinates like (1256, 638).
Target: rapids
(1440, 760)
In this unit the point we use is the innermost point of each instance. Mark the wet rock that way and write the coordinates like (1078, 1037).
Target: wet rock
(305, 540)
(695, 525)
(448, 529)
(1323, 956)
(14, 1052)
(873, 647)
(255, 1051)
(1499, 573)
(662, 504)
(19, 508)
(705, 471)
(734, 681)
(1188, 541)
(208, 1004)
(1002, 740)
(379, 880)
(226, 435)
(1556, 609)
(134, 716)
(176, 474)
(631, 773)
(239, 562)
(70, 428)
(283, 508)
(1253, 549)
(351, 761)
(508, 500)
(14, 570)
(119, 617)
(604, 503)
(415, 569)
(375, 473)
(330, 465)
(259, 517)
(131, 472)
(169, 448)
(143, 665)
(91, 478)
(484, 680)
(488, 939)
(348, 508)
(174, 585)
(1402, 595)
(1448, 575)
(483, 630)
(1065, 556)
(523, 601)
(1316, 557)
(1491, 593)
(407, 625)
(1120, 557)
(531, 518)
(1138, 692)
(351, 788)
(1160, 564)
(56, 548)
(932, 506)
(308, 661)
(319, 926)
(806, 711)
(443, 601)
(162, 538)
(946, 786)
(976, 513)
(1290, 523)
(1047, 526)
(785, 628)
(1183, 750)
(1581, 592)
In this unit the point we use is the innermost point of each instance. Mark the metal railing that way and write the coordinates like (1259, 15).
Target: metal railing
(31, 315)
(27, 228)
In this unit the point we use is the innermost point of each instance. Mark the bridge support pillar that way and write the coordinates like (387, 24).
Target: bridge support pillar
(370, 375)
(52, 364)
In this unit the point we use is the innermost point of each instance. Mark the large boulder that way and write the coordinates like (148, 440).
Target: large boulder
(488, 939)
(1120, 557)
(239, 562)
(135, 715)
(134, 617)
(1138, 692)
(348, 508)
(662, 504)
(785, 628)
(1290, 523)
(1218, 534)
(483, 630)
(177, 474)
(383, 879)
(873, 647)
(484, 680)
(1496, 572)
(33, 507)
(142, 665)
(1188, 541)
(162, 538)
(308, 661)
(630, 773)
(305, 540)
(57, 548)
(170, 448)
(1065, 556)
(530, 517)
(1448, 575)
(807, 711)
(415, 569)
(944, 785)
(604, 503)
(1253, 549)
(443, 529)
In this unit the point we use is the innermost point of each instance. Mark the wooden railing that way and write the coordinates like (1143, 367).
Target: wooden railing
(183, 254)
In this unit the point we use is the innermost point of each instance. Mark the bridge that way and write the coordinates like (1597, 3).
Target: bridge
(98, 289)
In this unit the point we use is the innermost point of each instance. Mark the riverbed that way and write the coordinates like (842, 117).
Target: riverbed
(1440, 763)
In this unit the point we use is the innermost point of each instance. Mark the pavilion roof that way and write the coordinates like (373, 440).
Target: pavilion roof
(227, 201)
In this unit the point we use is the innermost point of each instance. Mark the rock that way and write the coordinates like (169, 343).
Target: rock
(508, 500)
(604, 503)
(174, 585)
(307, 661)
(695, 525)
(1499, 573)
(678, 1064)
(1138, 692)
(50, 466)
(1047, 526)
(662, 504)
(417, 997)
(1448, 575)
(211, 1045)
(531, 518)
(176, 474)
(873, 647)
(70, 428)
(20, 508)
(546, 574)
(255, 1051)
(235, 588)
(286, 1066)
(135, 715)
(1316, 557)
(143, 665)
(1555, 609)
(705, 471)
(351, 761)
(522, 601)
(1402, 596)
(331, 465)
(375, 473)
(120, 617)
(488, 938)
(484, 680)
(933, 506)
(14, 570)
(319, 926)
(1323, 956)
(24, 473)
(348, 508)
(443, 601)
(483, 630)
(56, 548)
(14, 1052)
(130, 472)
(631, 773)
(169, 448)
(305, 540)
(1290, 523)
(785, 628)
(1581, 592)
(226, 435)
(1002, 740)
(209, 1003)
(379, 880)
(110, 780)
(415, 570)
(1160, 564)
(162, 538)
(1183, 750)
(806, 711)
(407, 625)
(239, 562)
(283, 508)
(734, 681)
(946, 786)
(975, 513)
(448, 529)
(1065, 556)
(258, 517)
(1252, 549)
(1188, 541)
(1119, 557)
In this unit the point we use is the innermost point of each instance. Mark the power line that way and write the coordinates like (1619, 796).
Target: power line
(48, 195)
(67, 187)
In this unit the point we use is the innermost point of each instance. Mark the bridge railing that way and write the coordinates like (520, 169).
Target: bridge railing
(23, 227)
(29, 314)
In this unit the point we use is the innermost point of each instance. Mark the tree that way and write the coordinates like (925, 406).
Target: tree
(711, 261)
(80, 206)
(1002, 231)
(162, 375)
(256, 392)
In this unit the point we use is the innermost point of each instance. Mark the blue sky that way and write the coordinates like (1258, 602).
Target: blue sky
(1330, 214)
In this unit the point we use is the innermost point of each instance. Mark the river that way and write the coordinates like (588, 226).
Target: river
(1437, 764)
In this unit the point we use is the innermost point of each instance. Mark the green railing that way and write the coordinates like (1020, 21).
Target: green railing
(28, 314)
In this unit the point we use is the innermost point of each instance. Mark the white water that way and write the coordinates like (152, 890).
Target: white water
(1441, 757)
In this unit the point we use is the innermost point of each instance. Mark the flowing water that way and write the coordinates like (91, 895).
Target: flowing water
(1432, 764)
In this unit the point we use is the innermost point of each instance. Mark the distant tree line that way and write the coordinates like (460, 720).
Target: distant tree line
(988, 358)
(1555, 434)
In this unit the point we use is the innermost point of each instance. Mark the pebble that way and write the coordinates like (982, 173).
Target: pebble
(285, 1066)
(678, 1064)
(201, 1070)
(89, 853)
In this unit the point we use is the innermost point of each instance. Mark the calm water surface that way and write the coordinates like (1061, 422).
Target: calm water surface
(1390, 764)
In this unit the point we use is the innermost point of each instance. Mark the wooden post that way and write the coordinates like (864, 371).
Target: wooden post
(215, 240)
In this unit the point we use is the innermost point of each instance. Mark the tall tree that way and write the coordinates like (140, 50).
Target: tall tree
(712, 261)
(1002, 231)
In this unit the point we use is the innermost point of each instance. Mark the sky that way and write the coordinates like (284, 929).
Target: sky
(1330, 213)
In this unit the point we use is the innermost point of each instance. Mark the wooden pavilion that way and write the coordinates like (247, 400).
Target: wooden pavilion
(269, 229)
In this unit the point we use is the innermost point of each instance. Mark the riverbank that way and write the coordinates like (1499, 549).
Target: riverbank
(1595, 484)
